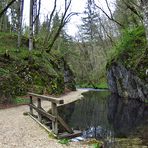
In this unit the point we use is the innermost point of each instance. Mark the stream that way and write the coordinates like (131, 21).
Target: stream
(116, 121)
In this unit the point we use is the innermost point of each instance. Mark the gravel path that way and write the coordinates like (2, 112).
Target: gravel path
(19, 131)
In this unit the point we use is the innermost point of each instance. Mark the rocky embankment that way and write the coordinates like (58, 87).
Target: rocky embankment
(126, 83)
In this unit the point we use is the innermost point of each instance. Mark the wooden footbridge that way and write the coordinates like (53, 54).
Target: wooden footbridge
(52, 117)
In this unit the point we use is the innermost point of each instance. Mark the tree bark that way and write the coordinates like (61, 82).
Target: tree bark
(36, 11)
(31, 26)
(145, 13)
(20, 17)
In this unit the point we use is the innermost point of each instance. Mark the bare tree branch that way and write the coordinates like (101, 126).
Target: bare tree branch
(107, 4)
(49, 22)
(68, 17)
(5, 9)
(37, 16)
(110, 17)
(65, 18)
(110, 38)
(51, 15)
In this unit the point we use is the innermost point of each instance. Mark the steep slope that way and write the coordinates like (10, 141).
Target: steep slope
(22, 71)
(126, 72)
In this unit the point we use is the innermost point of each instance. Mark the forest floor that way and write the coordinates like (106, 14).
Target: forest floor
(19, 131)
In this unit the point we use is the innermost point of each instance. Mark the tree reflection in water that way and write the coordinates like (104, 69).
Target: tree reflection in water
(102, 115)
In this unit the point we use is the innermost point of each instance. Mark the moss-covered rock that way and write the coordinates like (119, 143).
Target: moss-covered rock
(127, 69)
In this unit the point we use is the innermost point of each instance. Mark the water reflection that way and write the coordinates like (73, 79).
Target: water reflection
(102, 115)
(88, 112)
(125, 115)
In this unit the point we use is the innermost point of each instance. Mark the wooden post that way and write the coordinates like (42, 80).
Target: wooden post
(39, 106)
(55, 113)
(31, 103)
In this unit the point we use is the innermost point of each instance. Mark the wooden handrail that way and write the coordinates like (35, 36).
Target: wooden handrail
(54, 117)
(49, 116)
(47, 98)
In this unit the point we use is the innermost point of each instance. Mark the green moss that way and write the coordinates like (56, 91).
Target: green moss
(23, 70)
(101, 85)
(131, 51)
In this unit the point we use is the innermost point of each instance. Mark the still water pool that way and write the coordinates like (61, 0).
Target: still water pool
(116, 121)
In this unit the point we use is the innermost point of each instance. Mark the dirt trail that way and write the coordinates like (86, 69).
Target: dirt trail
(19, 131)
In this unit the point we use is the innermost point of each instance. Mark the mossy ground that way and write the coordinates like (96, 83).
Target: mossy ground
(22, 70)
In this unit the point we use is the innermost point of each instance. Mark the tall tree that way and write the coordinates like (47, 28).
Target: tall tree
(89, 26)
(145, 12)
(36, 13)
(31, 26)
(14, 16)
(20, 17)
(65, 18)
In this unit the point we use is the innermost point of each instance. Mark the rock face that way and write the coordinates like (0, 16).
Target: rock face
(125, 83)
(69, 77)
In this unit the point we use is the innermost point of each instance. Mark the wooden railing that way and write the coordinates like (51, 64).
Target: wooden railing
(54, 116)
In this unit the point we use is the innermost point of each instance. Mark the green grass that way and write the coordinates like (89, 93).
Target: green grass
(19, 100)
(64, 141)
(96, 145)
(101, 85)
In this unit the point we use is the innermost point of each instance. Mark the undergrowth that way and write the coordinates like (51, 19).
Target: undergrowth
(22, 70)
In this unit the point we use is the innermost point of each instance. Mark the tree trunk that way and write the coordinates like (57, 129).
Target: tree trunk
(31, 26)
(36, 11)
(20, 17)
(145, 13)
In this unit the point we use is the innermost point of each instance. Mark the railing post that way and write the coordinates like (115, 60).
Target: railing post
(54, 113)
(39, 106)
(31, 103)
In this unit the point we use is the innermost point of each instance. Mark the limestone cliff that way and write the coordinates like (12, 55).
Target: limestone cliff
(126, 83)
